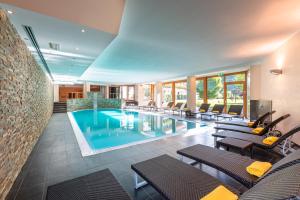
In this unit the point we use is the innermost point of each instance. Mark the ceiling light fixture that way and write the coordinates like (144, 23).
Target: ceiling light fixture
(10, 12)
(82, 30)
(276, 71)
(77, 48)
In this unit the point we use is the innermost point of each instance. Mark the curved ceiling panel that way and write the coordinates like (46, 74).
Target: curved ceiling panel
(167, 39)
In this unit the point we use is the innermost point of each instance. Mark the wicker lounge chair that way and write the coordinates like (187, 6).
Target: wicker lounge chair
(152, 106)
(249, 130)
(202, 109)
(234, 111)
(233, 164)
(144, 106)
(176, 180)
(101, 185)
(255, 124)
(258, 140)
(179, 107)
(168, 106)
(216, 110)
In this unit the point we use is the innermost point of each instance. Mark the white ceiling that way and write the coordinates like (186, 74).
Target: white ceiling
(104, 15)
(77, 50)
(165, 39)
(162, 39)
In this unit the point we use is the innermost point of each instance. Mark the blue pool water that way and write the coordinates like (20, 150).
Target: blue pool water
(112, 127)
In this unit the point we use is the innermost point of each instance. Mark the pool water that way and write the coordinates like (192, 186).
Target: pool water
(109, 128)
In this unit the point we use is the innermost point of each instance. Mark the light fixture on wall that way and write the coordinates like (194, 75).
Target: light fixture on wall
(276, 71)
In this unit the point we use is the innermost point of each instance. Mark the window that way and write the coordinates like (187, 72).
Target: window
(215, 90)
(114, 92)
(147, 92)
(167, 92)
(235, 90)
(127, 92)
(181, 92)
(124, 92)
(130, 92)
(235, 77)
(199, 92)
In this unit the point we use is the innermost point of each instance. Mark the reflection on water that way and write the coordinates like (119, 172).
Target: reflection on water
(106, 128)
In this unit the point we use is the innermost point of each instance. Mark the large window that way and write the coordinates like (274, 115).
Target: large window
(124, 92)
(181, 92)
(131, 92)
(147, 92)
(235, 90)
(114, 92)
(199, 92)
(167, 92)
(127, 92)
(215, 90)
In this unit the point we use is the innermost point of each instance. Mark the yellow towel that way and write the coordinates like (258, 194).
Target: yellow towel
(202, 111)
(257, 130)
(220, 193)
(215, 111)
(270, 140)
(232, 113)
(258, 168)
(250, 124)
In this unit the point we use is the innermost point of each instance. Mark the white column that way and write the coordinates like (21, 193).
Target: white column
(56, 93)
(86, 89)
(191, 92)
(158, 94)
(107, 92)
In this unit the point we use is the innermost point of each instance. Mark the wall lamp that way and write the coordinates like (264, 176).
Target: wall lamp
(276, 71)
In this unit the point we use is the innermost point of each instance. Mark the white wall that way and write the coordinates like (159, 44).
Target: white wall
(283, 90)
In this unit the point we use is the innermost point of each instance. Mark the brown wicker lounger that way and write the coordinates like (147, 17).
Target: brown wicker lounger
(232, 164)
(202, 109)
(101, 185)
(248, 129)
(258, 140)
(176, 180)
(256, 123)
(236, 109)
(216, 110)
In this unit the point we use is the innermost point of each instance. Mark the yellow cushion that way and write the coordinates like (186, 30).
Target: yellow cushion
(258, 168)
(220, 193)
(257, 130)
(215, 111)
(202, 110)
(270, 140)
(232, 113)
(186, 109)
(250, 124)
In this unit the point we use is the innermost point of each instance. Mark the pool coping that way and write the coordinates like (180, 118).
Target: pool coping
(86, 150)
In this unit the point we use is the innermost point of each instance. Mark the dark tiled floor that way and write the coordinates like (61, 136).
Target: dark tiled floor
(56, 157)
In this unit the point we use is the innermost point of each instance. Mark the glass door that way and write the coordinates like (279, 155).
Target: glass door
(235, 94)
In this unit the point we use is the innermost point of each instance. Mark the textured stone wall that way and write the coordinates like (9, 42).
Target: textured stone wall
(87, 103)
(26, 103)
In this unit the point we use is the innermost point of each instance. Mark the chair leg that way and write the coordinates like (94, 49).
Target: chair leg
(137, 183)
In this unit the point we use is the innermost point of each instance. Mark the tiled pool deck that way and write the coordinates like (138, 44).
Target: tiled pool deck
(56, 157)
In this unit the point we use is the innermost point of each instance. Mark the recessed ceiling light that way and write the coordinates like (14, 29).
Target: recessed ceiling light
(10, 12)
(77, 48)
(82, 30)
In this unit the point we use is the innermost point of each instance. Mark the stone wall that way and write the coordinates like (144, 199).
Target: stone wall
(26, 103)
(87, 103)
